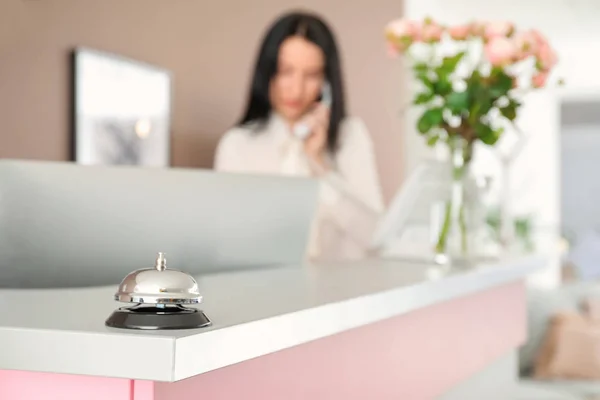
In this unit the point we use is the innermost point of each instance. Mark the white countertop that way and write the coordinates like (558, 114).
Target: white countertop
(253, 312)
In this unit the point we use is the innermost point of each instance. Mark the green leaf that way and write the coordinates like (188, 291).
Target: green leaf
(430, 119)
(502, 83)
(427, 82)
(432, 140)
(449, 63)
(421, 68)
(481, 96)
(442, 86)
(486, 104)
(458, 102)
(480, 100)
(422, 72)
(486, 134)
(423, 98)
(510, 111)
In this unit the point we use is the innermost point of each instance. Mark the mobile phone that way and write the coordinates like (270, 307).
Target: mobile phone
(301, 129)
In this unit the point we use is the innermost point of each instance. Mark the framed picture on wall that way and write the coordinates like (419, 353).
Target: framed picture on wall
(121, 110)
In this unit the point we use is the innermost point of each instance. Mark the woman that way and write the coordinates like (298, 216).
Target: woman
(297, 58)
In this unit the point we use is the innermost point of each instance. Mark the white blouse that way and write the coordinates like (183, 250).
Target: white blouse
(350, 200)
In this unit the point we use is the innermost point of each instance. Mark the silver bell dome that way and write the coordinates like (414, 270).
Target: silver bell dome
(158, 285)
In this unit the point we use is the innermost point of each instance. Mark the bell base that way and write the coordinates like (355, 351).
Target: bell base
(158, 318)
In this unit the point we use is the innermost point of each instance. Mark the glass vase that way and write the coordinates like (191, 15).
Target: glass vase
(506, 219)
(457, 216)
(508, 225)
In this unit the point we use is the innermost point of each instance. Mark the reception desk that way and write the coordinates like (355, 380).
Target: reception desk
(372, 330)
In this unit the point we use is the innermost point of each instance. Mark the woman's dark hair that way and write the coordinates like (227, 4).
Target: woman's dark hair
(315, 30)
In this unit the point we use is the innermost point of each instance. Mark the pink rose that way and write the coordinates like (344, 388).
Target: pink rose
(544, 53)
(500, 51)
(527, 44)
(546, 57)
(400, 35)
(538, 37)
(539, 80)
(477, 28)
(402, 28)
(459, 32)
(500, 28)
(431, 32)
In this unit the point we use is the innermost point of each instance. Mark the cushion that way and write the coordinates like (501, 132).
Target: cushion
(570, 349)
(542, 305)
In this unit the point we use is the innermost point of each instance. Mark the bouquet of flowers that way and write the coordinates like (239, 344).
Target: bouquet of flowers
(470, 81)
(471, 75)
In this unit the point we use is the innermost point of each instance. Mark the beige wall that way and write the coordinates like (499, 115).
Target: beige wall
(209, 46)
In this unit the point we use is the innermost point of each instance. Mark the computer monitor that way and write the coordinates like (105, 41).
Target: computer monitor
(68, 225)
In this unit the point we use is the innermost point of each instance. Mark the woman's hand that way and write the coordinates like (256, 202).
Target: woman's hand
(315, 144)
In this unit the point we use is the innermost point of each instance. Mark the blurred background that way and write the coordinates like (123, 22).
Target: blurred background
(210, 50)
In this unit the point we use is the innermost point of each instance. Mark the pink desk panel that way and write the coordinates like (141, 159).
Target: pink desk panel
(416, 356)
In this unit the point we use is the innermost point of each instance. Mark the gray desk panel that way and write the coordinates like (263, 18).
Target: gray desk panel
(65, 225)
